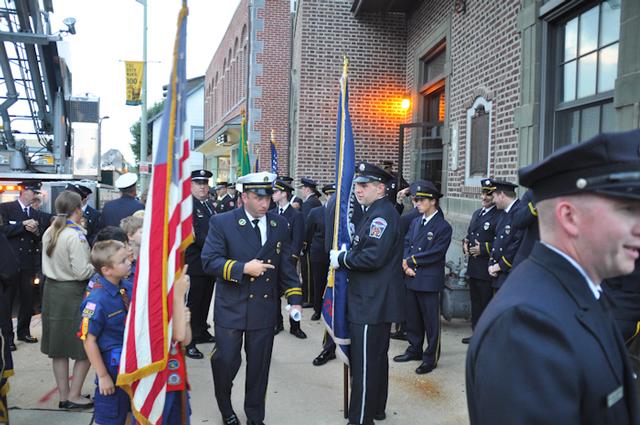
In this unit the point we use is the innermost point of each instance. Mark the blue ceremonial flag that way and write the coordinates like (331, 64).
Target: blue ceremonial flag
(274, 154)
(334, 306)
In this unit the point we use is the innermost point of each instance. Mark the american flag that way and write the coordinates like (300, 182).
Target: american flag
(167, 231)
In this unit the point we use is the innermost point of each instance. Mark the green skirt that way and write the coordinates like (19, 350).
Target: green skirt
(61, 319)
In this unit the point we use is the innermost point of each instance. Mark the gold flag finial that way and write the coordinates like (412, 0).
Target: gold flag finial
(273, 135)
(346, 65)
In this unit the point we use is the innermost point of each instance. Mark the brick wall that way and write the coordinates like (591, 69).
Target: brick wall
(485, 50)
(376, 46)
(271, 100)
(226, 76)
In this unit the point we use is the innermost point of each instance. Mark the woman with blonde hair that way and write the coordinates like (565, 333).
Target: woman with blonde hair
(67, 267)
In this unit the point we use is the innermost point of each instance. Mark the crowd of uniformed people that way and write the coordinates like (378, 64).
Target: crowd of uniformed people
(546, 350)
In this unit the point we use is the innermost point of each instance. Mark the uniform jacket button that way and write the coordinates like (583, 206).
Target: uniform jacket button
(267, 279)
(266, 296)
(252, 279)
(250, 295)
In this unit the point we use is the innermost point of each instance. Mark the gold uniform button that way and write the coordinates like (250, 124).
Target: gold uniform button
(250, 295)
(269, 260)
(252, 279)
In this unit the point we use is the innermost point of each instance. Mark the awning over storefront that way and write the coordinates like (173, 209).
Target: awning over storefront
(383, 6)
(228, 135)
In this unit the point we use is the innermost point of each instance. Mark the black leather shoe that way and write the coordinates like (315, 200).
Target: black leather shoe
(279, 328)
(28, 339)
(297, 332)
(316, 316)
(466, 339)
(324, 357)
(380, 416)
(194, 353)
(13, 347)
(400, 335)
(70, 405)
(424, 368)
(407, 357)
(231, 420)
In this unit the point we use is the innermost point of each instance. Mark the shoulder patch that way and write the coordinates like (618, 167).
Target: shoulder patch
(89, 309)
(378, 225)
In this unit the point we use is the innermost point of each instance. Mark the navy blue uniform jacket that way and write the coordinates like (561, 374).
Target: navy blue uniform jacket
(546, 352)
(526, 219)
(201, 217)
(116, 210)
(506, 244)
(374, 264)
(425, 249)
(483, 230)
(314, 234)
(244, 302)
(406, 219)
(296, 227)
(25, 244)
(92, 217)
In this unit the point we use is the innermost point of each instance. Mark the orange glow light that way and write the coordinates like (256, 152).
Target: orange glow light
(405, 104)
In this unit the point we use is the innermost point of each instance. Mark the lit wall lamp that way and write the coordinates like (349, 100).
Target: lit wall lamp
(460, 6)
(405, 103)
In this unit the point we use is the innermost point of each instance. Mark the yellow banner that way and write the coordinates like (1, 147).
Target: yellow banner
(133, 70)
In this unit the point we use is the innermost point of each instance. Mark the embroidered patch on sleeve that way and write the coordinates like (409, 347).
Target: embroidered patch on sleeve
(89, 309)
(377, 227)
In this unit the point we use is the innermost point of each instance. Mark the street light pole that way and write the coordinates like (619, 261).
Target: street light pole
(143, 118)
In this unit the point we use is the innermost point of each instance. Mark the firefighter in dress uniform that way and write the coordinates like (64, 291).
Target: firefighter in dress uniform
(249, 251)
(309, 191)
(114, 211)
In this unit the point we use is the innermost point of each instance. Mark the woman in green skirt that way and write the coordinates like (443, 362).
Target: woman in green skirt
(67, 266)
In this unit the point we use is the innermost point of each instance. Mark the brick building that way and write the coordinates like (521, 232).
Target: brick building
(249, 73)
(494, 84)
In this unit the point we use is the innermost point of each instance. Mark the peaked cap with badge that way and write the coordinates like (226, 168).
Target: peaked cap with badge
(201, 176)
(259, 183)
(367, 172)
(424, 189)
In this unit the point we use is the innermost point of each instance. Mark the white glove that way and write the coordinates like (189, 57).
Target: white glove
(333, 256)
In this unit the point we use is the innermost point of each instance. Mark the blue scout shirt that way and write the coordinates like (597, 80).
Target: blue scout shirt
(104, 313)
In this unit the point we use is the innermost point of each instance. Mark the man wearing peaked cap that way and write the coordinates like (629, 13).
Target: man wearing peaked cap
(425, 249)
(24, 226)
(295, 201)
(375, 299)
(223, 202)
(550, 326)
(477, 247)
(248, 249)
(281, 195)
(114, 211)
(201, 289)
(310, 194)
(91, 215)
(507, 238)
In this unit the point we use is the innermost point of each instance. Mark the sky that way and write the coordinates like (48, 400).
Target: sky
(110, 32)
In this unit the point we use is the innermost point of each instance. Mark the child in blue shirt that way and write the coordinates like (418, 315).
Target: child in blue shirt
(104, 314)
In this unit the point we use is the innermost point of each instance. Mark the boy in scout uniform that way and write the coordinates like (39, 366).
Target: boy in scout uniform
(425, 249)
(477, 246)
(104, 314)
(249, 251)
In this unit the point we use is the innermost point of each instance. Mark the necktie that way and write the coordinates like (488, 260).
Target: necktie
(281, 211)
(206, 205)
(125, 298)
(483, 212)
(257, 229)
(424, 222)
(26, 212)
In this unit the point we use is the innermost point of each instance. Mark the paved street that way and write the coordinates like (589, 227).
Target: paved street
(298, 391)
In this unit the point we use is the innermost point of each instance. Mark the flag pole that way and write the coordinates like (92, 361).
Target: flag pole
(345, 368)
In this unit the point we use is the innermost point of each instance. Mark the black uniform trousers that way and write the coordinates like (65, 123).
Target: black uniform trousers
(307, 279)
(292, 323)
(423, 316)
(199, 302)
(22, 289)
(319, 270)
(369, 371)
(480, 292)
(5, 311)
(225, 363)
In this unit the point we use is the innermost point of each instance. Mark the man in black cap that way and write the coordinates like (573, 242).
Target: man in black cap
(25, 241)
(201, 289)
(373, 265)
(114, 211)
(507, 239)
(310, 194)
(425, 249)
(546, 349)
(281, 194)
(249, 251)
(91, 215)
(477, 247)
(525, 219)
(233, 193)
(223, 201)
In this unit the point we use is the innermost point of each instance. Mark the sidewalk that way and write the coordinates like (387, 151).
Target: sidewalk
(298, 393)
